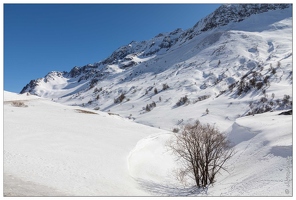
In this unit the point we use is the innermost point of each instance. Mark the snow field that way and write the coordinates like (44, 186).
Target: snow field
(77, 153)
(262, 165)
(58, 150)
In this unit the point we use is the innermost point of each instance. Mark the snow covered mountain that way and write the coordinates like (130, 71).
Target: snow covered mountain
(230, 70)
(237, 59)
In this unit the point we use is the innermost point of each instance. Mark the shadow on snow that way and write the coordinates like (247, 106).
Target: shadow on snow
(170, 189)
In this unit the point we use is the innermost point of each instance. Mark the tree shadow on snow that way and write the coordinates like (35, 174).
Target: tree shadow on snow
(170, 189)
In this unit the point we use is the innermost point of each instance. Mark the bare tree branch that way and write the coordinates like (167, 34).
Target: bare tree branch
(203, 151)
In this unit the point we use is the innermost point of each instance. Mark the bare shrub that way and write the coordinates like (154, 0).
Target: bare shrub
(18, 104)
(240, 87)
(220, 93)
(165, 86)
(263, 99)
(176, 130)
(286, 99)
(109, 113)
(182, 101)
(93, 82)
(252, 82)
(97, 108)
(201, 98)
(119, 99)
(259, 85)
(96, 90)
(202, 150)
(230, 87)
(150, 106)
(147, 108)
(85, 111)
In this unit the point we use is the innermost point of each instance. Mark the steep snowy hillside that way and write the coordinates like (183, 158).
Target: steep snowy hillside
(238, 59)
(56, 150)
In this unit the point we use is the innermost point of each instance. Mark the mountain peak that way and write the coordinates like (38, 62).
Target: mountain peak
(227, 13)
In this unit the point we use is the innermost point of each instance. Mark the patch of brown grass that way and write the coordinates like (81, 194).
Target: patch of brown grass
(18, 104)
(85, 111)
(109, 113)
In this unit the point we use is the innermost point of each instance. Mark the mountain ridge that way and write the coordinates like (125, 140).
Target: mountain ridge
(247, 59)
(202, 25)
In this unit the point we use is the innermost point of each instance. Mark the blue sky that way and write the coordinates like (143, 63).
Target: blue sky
(39, 38)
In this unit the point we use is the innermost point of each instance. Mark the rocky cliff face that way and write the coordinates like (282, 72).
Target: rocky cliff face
(234, 13)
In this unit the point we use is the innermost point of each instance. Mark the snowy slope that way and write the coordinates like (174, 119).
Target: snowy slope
(55, 150)
(261, 166)
(75, 153)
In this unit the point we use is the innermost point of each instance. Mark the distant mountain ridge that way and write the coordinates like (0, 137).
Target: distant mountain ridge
(220, 17)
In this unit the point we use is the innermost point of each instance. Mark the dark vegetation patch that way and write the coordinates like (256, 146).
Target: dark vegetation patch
(85, 111)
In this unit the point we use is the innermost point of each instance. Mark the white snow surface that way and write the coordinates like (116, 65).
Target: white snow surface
(58, 151)
(77, 153)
